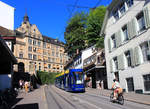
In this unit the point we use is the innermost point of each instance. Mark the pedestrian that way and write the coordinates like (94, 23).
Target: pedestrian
(26, 86)
(20, 84)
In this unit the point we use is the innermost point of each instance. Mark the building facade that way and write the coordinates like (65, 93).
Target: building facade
(127, 50)
(36, 51)
(92, 61)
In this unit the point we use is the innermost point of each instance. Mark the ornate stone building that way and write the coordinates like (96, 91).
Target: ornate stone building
(36, 51)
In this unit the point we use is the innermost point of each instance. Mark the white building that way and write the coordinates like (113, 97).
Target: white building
(127, 36)
(7, 16)
(7, 59)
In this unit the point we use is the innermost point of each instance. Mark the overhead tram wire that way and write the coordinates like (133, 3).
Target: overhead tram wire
(70, 15)
(75, 4)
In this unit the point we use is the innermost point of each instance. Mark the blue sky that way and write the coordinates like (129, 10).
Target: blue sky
(50, 16)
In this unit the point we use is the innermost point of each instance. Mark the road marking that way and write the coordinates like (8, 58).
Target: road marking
(83, 101)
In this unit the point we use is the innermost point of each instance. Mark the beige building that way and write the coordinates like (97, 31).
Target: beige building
(36, 51)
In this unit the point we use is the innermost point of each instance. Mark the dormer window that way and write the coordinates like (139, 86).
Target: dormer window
(116, 15)
(122, 8)
(129, 3)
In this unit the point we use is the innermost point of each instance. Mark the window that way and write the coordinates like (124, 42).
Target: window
(49, 66)
(122, 9)
(61, 61)
(141, 22)
(125, 33)
(128, 57)
(39, 43)
(53, 59)
(30, 48)
(39, 66)
(129, 3)
(53, 53)
(34, 49)
(116, 15)
(30, 56)
(116, 63)
(145, 51)
(44, 45)
(34, 42)
(30, 41)
(20, 55)
(44, 53)
(49, 59)
(34, 57)
(147, 82)
(114, 41)
(57, 54)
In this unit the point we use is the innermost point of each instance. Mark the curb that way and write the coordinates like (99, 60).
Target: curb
(127, 99)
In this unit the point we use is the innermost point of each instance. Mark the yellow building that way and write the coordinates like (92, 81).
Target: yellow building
(36, 51)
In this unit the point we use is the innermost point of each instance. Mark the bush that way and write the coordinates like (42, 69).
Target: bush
(46, 77)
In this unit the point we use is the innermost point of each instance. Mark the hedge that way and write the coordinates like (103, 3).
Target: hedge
(46, 77)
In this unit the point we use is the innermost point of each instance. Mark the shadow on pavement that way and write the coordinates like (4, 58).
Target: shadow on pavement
(15, 101)
(27, 106)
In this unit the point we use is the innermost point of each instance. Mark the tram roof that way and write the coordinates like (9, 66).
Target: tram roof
(63, 73)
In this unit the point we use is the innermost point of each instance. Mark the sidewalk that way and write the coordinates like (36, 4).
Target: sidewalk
(131, 96)
(32, 100)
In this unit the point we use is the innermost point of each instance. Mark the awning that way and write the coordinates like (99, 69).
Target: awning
(95, 67)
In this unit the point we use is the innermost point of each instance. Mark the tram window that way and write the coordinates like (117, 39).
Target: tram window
(78, 77)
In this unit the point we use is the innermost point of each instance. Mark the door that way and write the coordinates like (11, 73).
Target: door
(130, 84)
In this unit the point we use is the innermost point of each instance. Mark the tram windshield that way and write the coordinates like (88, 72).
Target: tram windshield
(78, 76)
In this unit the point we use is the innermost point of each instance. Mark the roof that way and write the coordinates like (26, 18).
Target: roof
(6, 32)
(53, 41)
(109, 9)
(63, 73)
(5, 53)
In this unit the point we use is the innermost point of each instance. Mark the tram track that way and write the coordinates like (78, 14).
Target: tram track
(51, 95)
(65, 99)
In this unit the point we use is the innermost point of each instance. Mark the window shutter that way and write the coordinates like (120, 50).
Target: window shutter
(129, 29)
(121, 62)
(138, 55)
(117, 38)
(121, 36)
(132, 57)
(135, 27)
(132, 28)
(109, 44)
(147, 16)
(111, 65)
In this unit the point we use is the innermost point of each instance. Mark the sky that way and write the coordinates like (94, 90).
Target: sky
(50, 16)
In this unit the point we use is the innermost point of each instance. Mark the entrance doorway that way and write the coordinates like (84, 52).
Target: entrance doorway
(130, 84)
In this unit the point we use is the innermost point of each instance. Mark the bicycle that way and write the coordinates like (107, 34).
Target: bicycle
(120, 98)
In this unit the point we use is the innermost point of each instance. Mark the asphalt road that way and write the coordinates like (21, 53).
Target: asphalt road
(60, 99)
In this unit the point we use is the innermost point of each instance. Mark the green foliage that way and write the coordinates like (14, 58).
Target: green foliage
(83, 30)
(94, 25)
(46, 77)
(75, 33)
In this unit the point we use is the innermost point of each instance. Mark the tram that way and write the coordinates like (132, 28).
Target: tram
(71, 80)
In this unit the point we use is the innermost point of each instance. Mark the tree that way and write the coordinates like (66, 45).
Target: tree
(94, 25)
(75, 33)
